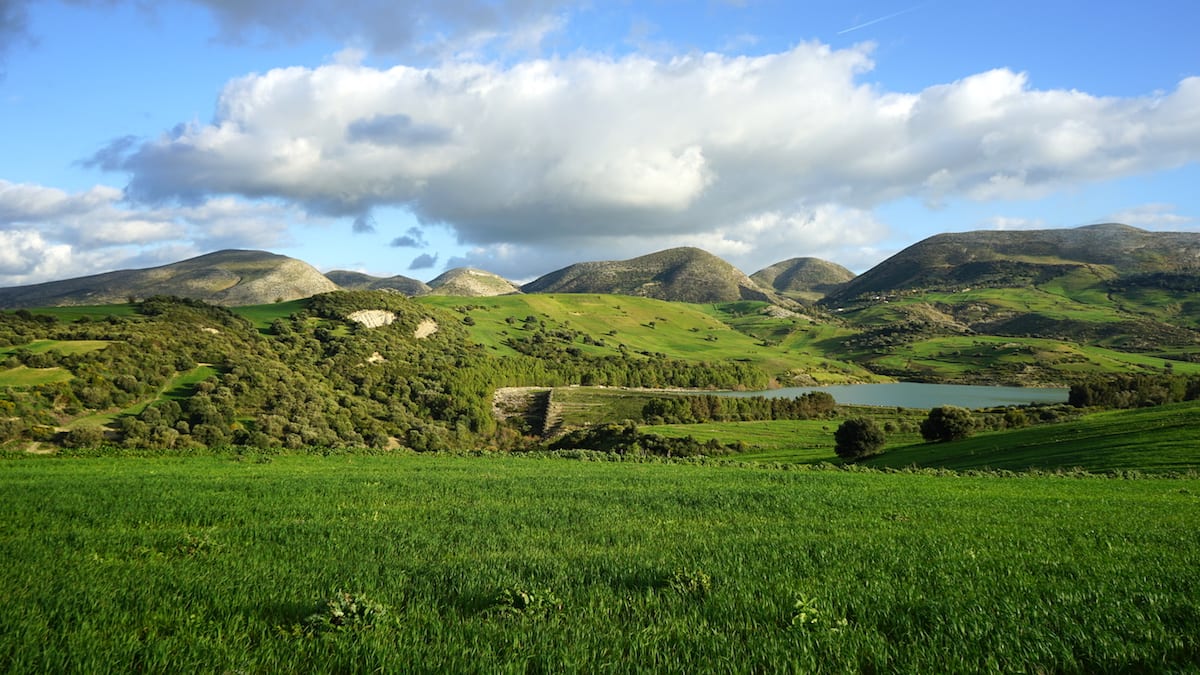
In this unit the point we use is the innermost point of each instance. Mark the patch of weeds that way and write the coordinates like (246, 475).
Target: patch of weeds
(808, 615)
(526, 602)
(345, 611)
(691, 582)
(193, 545)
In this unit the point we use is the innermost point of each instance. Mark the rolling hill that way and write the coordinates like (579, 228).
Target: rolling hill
(807, 278)
(231, 277)
(357, 281)
(678, 274)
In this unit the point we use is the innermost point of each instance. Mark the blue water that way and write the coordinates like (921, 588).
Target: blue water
(917, 395)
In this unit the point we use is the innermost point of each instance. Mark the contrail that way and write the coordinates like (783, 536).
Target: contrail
(872, 22)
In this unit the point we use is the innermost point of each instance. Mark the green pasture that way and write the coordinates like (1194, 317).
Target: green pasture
(87, 312)
(262, 316)
(1011, 359)
(1155, 440)
(796, 441)
(22, 376)
(206, 564)
(65, 347)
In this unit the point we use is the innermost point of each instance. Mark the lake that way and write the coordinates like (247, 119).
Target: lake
(918, 395)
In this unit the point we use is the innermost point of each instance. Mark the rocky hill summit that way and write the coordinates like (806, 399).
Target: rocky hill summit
(678, 274)
(231, 277)
(471, 282)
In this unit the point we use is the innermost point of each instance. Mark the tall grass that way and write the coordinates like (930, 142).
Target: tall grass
(509, 564)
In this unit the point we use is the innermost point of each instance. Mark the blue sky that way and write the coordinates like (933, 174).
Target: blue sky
(408, 137)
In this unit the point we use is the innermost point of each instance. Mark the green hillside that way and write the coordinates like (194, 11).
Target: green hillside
(611, 325)
(1160, 439)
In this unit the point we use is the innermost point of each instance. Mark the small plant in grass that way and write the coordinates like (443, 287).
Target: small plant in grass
(691, 582)
(346, 611)
(806, 614)
(526, 602)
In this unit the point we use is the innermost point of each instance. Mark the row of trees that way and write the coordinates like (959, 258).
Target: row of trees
(695, 408)
(1134, 390)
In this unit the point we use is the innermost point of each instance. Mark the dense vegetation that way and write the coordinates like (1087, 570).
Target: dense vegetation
(506, 564)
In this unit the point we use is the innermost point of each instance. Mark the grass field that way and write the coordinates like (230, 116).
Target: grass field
(204, 564)
(65, 347)
(263, 315)
(22, 376)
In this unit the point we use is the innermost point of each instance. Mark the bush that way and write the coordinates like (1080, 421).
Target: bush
(858, 437)
(948, 423)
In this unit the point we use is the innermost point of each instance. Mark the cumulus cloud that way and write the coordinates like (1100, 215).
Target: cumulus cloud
(48, 233)
(1014, 223)
(740, 152)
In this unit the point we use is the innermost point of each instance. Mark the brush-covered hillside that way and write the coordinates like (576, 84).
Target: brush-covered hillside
(348, 368)
(224, 278)
(678, 274)
(357, 281)
(803, 278)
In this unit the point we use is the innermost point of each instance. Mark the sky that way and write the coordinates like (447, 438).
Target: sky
(520, 136)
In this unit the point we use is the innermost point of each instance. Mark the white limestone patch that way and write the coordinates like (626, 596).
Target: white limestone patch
(425, 329)
(373, 318)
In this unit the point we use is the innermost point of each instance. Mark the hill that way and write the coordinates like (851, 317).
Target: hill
(1023, 258)
(230, 277)
(807, 278)
(357, 281)
(471, 282)
(679, 274)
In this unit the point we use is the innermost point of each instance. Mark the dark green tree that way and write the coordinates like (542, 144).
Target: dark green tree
(947, 423)
(858, 437)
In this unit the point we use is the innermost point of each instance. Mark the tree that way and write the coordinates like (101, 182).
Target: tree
(858, 437)
(947, 423)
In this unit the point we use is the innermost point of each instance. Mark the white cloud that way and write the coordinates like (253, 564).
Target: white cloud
(46, 233)
(1156, 216)
(1013, 223)
(703, 147)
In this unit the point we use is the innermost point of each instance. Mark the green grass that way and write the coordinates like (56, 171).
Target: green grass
(262, 316)
(1016, 360)
(1159, 439)
(206, 564)
(87, 312)
(65, 347)
(22, 376)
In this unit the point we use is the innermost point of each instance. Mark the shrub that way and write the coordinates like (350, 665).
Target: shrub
(947, 423)
(858, 437)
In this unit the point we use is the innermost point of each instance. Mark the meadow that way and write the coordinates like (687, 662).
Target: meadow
(225, 563)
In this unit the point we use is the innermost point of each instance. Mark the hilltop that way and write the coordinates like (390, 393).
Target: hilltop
(806, 278)
(231, 277)
(357, 281)
(471, 282)
(679, 274)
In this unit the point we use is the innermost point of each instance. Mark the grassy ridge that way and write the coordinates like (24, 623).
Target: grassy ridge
(175, 565)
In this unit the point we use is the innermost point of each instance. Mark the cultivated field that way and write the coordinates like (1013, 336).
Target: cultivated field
(216, 563)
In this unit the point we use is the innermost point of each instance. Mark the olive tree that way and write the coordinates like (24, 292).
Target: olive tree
(858, 437)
